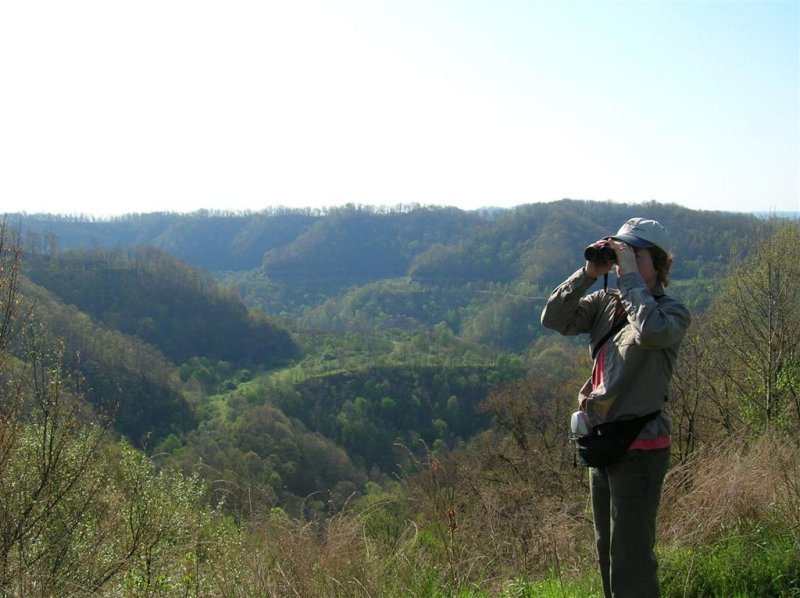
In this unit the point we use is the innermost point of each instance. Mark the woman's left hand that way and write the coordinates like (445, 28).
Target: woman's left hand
(626, 256)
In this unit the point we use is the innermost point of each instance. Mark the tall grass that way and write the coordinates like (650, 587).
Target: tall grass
(728, 527)
(730, 521)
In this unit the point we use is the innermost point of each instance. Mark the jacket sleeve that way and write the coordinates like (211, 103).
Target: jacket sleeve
(656, 324)
(567, 311)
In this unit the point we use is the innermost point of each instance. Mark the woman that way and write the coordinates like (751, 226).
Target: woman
(630, 379)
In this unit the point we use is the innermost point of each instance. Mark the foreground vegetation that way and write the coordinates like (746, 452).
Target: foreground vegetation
(495, 510)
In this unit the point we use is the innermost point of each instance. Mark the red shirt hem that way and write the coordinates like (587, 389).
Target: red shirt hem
(651, 444)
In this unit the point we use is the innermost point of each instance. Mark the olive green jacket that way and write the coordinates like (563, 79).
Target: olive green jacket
(632, 371)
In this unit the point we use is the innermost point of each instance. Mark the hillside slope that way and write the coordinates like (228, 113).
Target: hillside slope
(149, 294)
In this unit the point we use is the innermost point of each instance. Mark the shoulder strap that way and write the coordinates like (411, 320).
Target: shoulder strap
(614, 329)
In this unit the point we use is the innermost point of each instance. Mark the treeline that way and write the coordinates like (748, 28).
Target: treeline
(363, 243)
(216, 240)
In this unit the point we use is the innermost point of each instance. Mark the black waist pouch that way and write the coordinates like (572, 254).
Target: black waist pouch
(606, 443)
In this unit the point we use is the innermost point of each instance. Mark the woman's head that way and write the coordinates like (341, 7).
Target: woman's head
(651, 242)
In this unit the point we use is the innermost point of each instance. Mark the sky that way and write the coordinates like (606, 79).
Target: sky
(110, 107)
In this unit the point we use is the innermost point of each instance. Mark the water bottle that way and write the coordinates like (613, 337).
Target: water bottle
(579, 424)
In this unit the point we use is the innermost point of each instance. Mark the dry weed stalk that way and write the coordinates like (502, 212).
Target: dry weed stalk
(730, 482)
(332, 558)
(504, 509)
(787, 455)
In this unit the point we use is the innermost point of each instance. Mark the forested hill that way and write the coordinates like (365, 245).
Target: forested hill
(536, 242)
(359, 245)
(146, 293)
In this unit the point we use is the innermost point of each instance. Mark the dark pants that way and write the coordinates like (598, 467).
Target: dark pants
(625, 499)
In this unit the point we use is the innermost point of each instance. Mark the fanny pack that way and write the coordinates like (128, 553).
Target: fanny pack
(606, 443)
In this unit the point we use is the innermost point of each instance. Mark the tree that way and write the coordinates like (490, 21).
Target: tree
(745, 356)
(13, 314)
(48, 444)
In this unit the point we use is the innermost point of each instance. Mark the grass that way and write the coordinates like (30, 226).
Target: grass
(747, 560)
(553, 587)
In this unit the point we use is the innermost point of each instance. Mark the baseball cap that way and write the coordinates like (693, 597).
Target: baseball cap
(641, 232)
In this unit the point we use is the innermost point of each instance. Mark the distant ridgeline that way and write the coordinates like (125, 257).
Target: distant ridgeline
(323, 252)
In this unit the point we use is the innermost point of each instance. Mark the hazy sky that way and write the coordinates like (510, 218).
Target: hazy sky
(111, 107)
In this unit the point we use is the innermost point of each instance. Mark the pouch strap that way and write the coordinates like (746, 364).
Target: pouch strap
(614, 329)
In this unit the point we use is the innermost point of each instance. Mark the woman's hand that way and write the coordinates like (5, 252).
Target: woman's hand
(626, 256)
